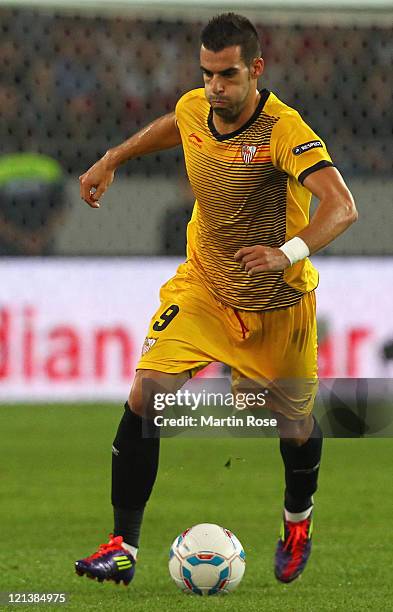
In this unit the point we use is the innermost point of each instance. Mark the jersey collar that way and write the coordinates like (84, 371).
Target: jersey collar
(265, 93)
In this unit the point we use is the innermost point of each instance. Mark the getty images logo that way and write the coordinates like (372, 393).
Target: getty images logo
(306, 146)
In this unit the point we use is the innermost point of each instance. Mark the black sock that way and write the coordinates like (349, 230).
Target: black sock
(134, 470)
(127, 523)
(301, 470)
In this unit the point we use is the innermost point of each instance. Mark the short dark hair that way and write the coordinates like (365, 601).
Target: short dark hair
(229, 29)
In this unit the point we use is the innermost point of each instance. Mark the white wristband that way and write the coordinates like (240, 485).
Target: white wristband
(295, 249)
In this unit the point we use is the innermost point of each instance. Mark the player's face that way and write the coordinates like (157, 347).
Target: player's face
(228, 82)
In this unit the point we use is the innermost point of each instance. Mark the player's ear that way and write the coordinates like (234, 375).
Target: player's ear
(257, 67)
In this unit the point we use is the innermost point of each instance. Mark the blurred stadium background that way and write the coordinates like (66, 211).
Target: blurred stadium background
(76, 78)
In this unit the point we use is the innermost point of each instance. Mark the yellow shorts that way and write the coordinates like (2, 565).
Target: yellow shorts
(275, 348)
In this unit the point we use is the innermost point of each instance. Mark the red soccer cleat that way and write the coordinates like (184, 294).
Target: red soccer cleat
(293, 549)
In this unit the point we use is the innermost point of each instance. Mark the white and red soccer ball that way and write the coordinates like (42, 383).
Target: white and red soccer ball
(206, 560)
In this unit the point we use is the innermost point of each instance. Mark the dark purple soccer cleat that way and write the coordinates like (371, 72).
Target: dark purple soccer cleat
(293, 549)
(110, 562)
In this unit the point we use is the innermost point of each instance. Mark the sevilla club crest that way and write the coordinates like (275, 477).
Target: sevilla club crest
(248, 152)
(148, 343)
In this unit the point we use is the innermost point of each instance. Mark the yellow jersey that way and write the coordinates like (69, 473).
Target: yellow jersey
(248, 189)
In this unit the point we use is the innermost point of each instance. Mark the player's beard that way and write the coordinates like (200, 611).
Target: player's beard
(230, 113)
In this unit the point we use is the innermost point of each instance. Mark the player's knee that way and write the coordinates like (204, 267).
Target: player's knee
(137, 399)
(147, 384)
(295, 432)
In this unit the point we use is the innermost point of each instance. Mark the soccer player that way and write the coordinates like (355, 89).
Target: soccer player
(245, 295)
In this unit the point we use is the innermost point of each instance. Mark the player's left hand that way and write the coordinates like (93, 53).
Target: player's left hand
(260, 258)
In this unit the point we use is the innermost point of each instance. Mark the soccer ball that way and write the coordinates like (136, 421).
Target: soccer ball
(207, 559)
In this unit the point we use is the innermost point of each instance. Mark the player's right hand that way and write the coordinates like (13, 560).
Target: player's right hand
(95, 182)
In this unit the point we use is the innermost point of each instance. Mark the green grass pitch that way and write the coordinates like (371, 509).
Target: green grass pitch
(54, 487)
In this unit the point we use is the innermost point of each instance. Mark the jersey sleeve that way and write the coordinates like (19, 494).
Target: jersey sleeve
(182, 108)
(296, 149)
(178, 110)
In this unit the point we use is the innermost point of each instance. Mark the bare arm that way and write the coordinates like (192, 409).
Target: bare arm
(336, 211)
(161, 134)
